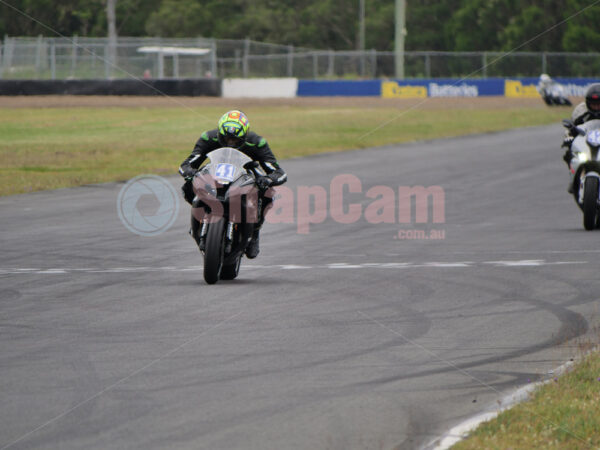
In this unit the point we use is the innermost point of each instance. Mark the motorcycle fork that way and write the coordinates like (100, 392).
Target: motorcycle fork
(229, 236)
(204, 228)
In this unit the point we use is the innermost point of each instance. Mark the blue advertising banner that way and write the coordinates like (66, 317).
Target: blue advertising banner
(423, 88)
(526, 87)
(442, 88)
(347, 88)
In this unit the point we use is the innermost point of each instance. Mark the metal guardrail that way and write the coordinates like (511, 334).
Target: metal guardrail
(94, 58)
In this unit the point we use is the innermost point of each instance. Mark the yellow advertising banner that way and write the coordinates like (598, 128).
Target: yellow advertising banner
(391, 89)
(516, 89)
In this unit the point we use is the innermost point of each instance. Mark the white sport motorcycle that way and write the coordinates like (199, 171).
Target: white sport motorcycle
(585, 170)
(554, 94)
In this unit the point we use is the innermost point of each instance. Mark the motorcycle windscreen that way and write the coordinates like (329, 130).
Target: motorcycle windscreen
(227, 164)
(580, 144)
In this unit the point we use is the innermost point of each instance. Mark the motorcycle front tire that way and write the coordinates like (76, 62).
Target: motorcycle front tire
(590, 203)
(215, 248)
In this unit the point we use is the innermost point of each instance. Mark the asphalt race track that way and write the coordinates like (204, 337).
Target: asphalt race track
(350, 336)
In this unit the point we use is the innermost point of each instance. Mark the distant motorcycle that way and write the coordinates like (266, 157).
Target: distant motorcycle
(554, 94)
(585, 165)
(226, 208)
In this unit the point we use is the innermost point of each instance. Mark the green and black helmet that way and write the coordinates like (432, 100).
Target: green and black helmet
(233, 129)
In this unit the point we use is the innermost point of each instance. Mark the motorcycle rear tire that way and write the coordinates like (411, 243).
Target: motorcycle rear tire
(590, 203)
(213, 255)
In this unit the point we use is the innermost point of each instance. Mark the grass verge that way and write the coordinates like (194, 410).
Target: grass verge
(49, 148)
(562, 414)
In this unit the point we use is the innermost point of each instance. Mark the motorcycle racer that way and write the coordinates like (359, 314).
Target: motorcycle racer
(590, 108)
(587, 110)
(544, 84)
(551, 91)
(233, 131)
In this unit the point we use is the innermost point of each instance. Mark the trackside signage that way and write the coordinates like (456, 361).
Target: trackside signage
(424, 88)
(526, 87)
(450, 90)
(441, 88)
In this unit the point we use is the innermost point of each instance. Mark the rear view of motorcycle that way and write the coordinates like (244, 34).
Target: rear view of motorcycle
(226, 209)
(552, 92)
(585, 167)
(555, 95)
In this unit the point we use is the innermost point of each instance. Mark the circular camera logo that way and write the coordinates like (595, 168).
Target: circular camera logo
(148, 205)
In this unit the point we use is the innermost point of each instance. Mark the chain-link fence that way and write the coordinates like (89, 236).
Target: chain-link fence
(95, 58)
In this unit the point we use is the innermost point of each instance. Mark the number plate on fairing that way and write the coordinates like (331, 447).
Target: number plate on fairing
(225, 171)
(593, 138)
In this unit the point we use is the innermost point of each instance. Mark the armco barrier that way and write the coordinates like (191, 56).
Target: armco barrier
(188, 87)
(260, 87)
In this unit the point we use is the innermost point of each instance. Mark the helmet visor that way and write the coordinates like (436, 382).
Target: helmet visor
(594, 104)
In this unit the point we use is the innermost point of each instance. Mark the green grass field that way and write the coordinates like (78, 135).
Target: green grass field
(49, 148)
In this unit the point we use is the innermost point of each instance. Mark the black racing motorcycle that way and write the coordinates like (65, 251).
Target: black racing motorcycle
(225, 208)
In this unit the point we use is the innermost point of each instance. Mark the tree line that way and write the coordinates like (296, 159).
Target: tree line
(447, 25)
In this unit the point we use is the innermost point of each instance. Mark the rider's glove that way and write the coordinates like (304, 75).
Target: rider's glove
(189, 173)
(263, 183)
(567, 142)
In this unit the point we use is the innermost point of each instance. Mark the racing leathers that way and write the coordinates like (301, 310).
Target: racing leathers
(582, 114)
